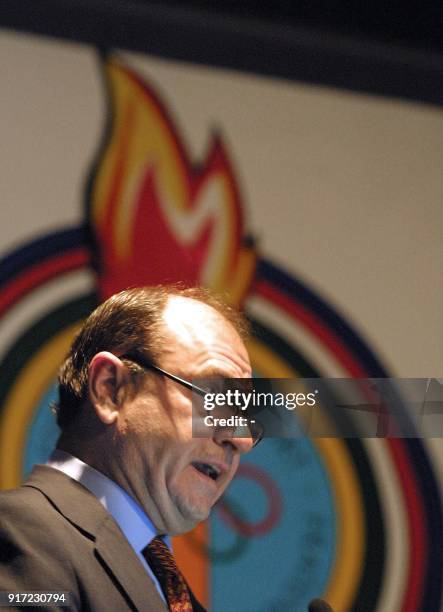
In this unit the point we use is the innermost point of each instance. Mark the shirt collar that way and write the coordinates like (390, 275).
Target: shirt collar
(132, 520)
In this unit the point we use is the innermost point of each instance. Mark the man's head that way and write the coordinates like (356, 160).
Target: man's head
(135, 424)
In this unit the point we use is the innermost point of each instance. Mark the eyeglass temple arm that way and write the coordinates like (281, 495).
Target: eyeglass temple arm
(179, 380)
(144, 363)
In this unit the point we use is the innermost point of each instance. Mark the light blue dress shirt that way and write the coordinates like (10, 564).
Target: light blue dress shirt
(134, 523)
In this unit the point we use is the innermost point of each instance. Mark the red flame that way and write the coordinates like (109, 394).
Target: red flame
(146, 248)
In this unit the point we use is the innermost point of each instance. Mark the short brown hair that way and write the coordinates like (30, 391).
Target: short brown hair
(127, 322)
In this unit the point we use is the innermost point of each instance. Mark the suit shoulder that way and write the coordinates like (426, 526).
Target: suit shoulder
(29, 520)
(26, 504)
(32, 543)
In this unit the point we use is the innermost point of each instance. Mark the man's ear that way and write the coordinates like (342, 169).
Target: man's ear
(107, 374)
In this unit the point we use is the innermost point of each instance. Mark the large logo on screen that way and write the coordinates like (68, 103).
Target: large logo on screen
(303, 518)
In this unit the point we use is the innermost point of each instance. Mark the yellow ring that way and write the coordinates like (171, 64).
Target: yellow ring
(348, 565)
(32, 382)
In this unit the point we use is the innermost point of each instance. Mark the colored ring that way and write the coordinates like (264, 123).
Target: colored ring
(274, 498)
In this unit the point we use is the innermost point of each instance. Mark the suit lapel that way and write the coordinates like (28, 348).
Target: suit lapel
(116, 552)
(81, 508)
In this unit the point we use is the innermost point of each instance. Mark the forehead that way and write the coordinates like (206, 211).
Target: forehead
(197, 332)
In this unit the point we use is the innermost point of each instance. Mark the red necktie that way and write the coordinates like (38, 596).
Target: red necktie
(171, 580)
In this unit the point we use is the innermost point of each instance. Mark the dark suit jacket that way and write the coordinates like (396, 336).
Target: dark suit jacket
(55, 535)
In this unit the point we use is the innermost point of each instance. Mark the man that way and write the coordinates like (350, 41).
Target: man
(127, 472)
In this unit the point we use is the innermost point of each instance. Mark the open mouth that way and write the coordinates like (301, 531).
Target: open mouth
(206, 469)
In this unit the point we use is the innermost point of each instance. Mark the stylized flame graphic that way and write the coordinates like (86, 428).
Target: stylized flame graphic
(156, 217)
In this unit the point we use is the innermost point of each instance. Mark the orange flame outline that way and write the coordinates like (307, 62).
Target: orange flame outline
(157, 218)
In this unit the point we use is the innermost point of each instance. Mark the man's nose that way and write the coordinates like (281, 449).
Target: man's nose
(244, 445)
(226, 435)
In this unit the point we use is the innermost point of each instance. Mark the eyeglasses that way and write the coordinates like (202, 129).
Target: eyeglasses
(255, 428)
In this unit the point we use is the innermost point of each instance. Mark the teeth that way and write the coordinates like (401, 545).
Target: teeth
(207, 469)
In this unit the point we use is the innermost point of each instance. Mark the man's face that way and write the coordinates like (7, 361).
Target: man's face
(165, 468)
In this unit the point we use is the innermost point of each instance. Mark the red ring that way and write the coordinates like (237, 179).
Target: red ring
(275, 504)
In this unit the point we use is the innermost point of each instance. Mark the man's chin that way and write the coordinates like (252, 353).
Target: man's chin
(189, 515)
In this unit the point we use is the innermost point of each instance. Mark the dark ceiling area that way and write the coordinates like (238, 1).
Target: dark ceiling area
(418, 25)
(383, 48)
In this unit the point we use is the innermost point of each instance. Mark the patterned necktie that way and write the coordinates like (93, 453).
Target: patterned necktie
(171, 580)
